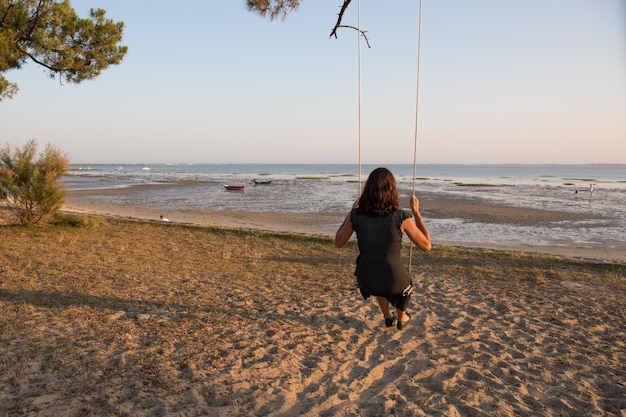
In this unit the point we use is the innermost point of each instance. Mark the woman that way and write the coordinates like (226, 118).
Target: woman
(379, 224)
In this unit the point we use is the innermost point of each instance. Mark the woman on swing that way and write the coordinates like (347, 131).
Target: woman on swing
(379, 224)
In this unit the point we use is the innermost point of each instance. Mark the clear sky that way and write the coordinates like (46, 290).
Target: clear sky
(516, 81)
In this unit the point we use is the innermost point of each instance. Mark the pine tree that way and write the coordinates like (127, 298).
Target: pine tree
(51, 34)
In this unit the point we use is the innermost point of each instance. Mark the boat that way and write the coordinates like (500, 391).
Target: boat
(234, 187)
(262, 182)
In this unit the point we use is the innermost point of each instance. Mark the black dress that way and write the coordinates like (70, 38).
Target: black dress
(379, 268)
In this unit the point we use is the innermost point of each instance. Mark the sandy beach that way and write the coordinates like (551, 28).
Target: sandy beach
(145, 318)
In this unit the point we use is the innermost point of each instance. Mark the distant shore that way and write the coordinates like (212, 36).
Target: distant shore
(325, 224)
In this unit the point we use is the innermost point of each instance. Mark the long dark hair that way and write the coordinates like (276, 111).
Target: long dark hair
(380, 195)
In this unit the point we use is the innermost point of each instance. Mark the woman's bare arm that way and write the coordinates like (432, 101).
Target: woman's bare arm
(344, 232)
(416, 229)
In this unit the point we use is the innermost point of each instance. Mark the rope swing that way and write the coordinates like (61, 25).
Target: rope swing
(417, 102)
(358, 45)
(419, 47)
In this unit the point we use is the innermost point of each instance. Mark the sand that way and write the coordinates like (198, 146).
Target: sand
(145, 318)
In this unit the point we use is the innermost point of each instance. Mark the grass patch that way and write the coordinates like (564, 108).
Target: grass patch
(188, 181)
(141, 244)
(461, 184)
(581, 179)
(74, 220)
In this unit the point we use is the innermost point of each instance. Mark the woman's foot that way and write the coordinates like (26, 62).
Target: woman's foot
(390, 321)
(403, 324)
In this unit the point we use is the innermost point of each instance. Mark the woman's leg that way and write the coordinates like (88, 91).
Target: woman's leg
(401, 307)
(384, 307)
(403, 316)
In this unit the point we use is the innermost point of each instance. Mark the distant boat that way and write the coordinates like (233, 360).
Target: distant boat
(145, 169)
(235, 187)
(262, 182)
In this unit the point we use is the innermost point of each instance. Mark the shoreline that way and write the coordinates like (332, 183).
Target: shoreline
(325, 224)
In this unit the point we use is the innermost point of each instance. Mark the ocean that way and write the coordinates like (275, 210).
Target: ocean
(332, 188)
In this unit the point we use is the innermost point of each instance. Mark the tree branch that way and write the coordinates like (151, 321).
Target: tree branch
(35, 60)
(338, 25)
(362, 32)
(344, 6)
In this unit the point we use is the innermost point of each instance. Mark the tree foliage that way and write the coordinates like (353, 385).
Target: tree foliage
(273, 8)
(30, 187)
(281, 8)
(50, 33)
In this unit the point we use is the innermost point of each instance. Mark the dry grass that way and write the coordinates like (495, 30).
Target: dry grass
(83, 308)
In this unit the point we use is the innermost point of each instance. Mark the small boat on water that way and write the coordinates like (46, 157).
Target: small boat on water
(262, 182)
(234, 187)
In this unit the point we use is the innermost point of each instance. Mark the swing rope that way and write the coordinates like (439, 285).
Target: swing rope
(417, 97)
(419, 47)
(358, 37)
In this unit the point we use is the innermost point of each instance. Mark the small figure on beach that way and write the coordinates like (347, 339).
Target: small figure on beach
(164, 219)
(591, 188)
(379, 224)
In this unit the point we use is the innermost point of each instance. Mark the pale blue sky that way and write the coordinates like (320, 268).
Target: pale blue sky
(516, 81)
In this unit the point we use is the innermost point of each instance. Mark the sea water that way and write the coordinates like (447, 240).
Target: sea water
(332, 188)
